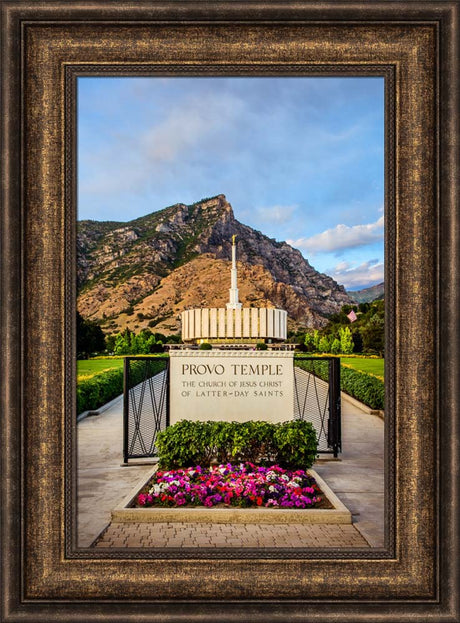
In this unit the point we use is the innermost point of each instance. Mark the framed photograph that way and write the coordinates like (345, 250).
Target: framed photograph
(49, 50)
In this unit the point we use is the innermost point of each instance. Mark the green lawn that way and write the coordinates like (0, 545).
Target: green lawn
(89, 367)
(364, 364)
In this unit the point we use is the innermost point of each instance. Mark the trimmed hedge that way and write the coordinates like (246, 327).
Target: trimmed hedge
(364, 387)
(291, 444)
(101, 388)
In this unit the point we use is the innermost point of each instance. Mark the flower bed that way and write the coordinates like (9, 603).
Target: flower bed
(241, 486)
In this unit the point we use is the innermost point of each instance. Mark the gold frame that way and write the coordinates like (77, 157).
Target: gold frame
(46, 45)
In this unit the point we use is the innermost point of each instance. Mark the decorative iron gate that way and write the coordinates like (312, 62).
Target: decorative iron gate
(146, 402)
(317, 399)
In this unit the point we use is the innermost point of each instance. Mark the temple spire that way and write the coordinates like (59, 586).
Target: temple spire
(234, 302)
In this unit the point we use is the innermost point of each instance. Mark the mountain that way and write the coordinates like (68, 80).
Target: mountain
(145, 272)
(368, 294)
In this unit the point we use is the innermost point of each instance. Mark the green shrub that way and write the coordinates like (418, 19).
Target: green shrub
(296, 444)
(101, 388)
(187, 443)
(364, 387)
(261, 346)
(205, 346)
(182, 444)
(253, 441)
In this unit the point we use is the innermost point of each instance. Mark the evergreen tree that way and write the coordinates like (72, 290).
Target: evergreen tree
(335, 347)
(316, 340)
(346, 341)
(324, 345)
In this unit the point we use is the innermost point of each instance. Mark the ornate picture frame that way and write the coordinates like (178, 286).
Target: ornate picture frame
(45, 47)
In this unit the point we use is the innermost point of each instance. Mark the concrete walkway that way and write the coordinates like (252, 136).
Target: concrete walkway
(358, 478)
(103, 482)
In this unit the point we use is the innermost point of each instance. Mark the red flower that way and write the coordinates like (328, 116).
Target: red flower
(259, 501)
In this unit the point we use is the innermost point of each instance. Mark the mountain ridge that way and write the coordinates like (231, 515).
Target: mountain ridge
(121, 264)
(367, 295)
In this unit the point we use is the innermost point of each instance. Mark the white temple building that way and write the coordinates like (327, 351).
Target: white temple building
(235, 324)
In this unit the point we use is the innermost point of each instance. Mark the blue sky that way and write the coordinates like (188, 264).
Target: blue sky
(300, 159)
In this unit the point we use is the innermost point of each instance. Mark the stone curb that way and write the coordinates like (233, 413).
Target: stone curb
(100, 410)
(362, 406)
(337, 515)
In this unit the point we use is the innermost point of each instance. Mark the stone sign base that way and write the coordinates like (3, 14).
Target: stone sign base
(339, 514)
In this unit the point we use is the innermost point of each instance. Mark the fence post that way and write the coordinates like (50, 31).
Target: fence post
(334, 427)
(125, 408)
(168, 389)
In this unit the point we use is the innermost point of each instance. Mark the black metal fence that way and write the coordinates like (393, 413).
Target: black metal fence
(146, 402)
(317, 399)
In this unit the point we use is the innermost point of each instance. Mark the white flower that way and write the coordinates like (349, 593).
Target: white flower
(156, 489)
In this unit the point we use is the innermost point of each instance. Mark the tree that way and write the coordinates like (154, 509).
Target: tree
(309, 342)
(357, 341)
(123, 343)
(335, 347)
(110, 343)
(374, 334)
(324, 345)
(140, 344)
(90, 338)
(316, 340)
(174, 339)
(346, 341)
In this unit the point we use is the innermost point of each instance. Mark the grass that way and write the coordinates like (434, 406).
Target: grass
(89, 367)
(371, 365)
(86, 368)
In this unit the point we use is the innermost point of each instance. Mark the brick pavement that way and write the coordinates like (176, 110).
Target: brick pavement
(229, 535)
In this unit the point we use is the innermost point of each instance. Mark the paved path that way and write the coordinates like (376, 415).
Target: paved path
(230, 535)
(358, 478)
(103, 482)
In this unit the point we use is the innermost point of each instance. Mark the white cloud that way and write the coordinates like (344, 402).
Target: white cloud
(276, 214)
(341, 237)
(356, 277)
(190, 124)
(195, 133)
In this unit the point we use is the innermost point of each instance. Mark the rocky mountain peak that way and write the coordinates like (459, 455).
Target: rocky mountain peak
(127, 262)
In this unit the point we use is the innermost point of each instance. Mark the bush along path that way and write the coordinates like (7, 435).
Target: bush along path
(366, 388)
(96, 391)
